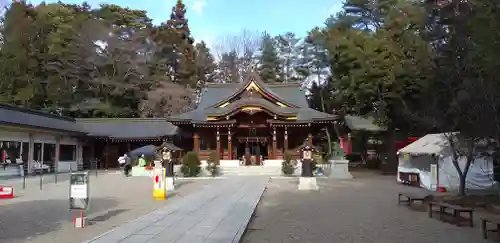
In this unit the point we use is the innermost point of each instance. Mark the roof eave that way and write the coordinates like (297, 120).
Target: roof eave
(80, 133)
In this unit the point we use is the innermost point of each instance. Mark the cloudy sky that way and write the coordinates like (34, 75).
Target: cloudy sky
(211, 19)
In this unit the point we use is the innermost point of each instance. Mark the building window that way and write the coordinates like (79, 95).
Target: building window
(9, 151)
(67, 152)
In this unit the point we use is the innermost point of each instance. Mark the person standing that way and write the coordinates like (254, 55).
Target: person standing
(142, 161)
(127, 165)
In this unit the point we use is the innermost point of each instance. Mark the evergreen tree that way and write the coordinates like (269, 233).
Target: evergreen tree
(19, 84)
(185, 66)
(228, 68)
(269, 63)
(205, 63)
(288, 55)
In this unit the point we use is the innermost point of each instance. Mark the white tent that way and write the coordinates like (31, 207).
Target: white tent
(430, 158)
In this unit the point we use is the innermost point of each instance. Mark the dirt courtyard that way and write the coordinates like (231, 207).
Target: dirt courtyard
(361, 210)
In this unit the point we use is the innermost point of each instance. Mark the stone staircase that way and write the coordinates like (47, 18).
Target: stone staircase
(251, 170)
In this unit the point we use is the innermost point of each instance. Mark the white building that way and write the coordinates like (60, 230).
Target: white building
(32, 141)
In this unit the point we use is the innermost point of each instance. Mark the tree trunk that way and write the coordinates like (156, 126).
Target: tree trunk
(461, 188)
(328, 136)
(390, 164)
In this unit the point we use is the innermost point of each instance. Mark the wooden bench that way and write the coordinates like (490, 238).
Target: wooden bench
(410, 198)
(456, 211)
(490, 219)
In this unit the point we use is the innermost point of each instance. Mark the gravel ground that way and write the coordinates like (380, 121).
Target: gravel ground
(362, 210)
(43, 216)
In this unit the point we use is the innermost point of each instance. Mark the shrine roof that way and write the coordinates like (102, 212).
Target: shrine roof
(290, 94)
(123, 128)
(13, 115)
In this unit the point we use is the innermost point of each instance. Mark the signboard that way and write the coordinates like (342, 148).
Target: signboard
(158, 177)
(79, 191)
(6, 192)
(159, 189)
(406, 156)
(434, 175)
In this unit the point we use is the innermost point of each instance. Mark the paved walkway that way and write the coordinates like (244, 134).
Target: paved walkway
(219, 213)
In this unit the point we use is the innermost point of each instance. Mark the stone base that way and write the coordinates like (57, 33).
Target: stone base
(169, 184)
(340, 169)
(308, 184)
(80, 222)
(140, 171)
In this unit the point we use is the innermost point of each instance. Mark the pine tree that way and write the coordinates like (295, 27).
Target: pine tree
(287, 53)
(185, 67)
(205, 63)
(269, 63)
(228, 68)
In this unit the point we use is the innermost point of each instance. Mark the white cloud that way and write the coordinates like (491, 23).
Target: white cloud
(198, 6)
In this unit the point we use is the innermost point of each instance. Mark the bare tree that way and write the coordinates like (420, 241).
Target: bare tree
(244, 43)
(236, 54)
(166, 99)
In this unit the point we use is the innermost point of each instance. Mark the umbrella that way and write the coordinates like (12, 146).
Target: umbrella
(170, 147)
(148, 150)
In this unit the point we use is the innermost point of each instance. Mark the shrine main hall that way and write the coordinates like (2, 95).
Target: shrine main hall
(252, 118)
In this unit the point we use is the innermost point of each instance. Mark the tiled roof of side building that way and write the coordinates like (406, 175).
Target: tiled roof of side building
(12, 115)
(123, 128)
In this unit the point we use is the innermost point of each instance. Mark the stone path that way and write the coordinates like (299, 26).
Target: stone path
(219, 213)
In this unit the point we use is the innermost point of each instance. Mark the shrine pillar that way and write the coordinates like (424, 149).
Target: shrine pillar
(274, 144)
(310, 140)
(218, 142)
(196, 143)
(285, 142)
(229, 144)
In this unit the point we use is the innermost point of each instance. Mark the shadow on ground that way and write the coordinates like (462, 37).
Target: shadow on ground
(181, 183)
(24, 220)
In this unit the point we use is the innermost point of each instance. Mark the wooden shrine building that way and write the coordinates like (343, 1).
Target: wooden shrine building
(253, 117)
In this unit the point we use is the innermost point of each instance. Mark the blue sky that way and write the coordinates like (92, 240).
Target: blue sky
(212, 19)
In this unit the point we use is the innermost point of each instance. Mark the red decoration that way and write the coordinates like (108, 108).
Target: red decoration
(157, 178)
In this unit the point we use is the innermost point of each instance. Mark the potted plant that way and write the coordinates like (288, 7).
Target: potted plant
(213, 164)
(190, 164)
(287, 166)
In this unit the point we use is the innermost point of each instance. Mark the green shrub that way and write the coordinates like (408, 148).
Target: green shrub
(287, 166)
(212, 163)
(190, 165)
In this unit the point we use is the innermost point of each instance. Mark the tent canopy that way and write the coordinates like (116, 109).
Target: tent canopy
(430, 144)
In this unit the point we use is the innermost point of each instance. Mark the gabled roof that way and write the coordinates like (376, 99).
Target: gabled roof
(360, 123)
(11, 115)
(254, 79)
(291, 95)
(127, 128)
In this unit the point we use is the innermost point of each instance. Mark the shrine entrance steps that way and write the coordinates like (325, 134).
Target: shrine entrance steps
(251, 170)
